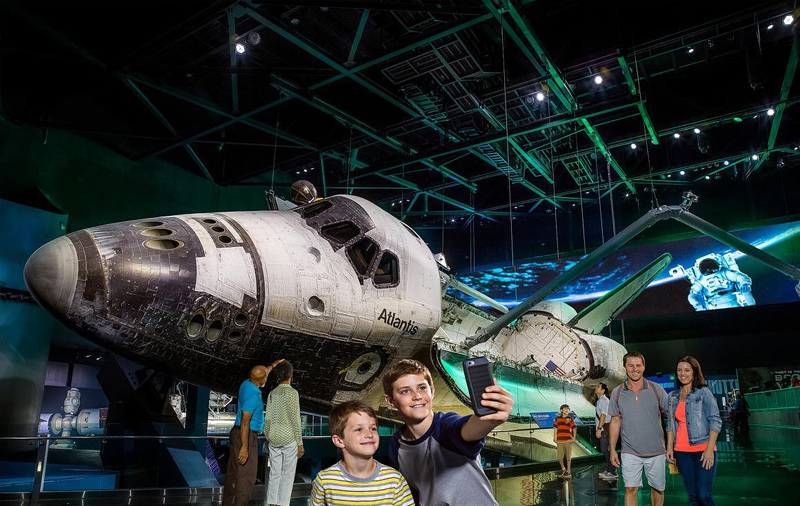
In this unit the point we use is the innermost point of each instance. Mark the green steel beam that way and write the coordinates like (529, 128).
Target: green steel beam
(352, 74)
(447, 30)
(164, 121)
(491, 118)
(497, 14)
(292, 89)
(626, 71)
(648, 123)
(561, 89)
(559, 85)
(243, 118)
(592, 133)
(320, 55)
(788, 78)
(232, 51)
(357, 40)
(453, 202)
(536, 126)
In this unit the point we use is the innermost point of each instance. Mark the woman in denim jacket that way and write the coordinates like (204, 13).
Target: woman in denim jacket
(694, 424)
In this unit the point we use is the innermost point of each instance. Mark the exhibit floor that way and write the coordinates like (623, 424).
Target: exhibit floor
(760, 468)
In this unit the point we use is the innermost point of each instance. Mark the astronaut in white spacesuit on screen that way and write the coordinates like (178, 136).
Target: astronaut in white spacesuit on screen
(717, 283)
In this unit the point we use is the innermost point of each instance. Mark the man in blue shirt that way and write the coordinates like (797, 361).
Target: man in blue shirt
(243, 460)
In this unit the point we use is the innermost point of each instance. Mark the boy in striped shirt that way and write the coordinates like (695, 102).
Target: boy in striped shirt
(358, 478)
(564, 436)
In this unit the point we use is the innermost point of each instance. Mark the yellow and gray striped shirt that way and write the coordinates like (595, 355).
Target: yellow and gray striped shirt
(282, 421)
(335, 486)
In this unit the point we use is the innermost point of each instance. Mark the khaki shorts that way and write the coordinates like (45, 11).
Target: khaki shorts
(654, 467)
(564, 449)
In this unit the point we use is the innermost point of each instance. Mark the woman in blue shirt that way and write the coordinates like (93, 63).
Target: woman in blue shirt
(694, 424)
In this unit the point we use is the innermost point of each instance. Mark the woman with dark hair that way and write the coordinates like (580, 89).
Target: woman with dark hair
(694, 424)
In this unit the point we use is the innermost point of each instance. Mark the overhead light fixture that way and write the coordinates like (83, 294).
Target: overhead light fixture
(770, 112)
(540, 96)
(697, 130)
(683, 173)
(598, 79)
(690, 50)
(754, 157)
(708, 177)
(676, 135)
(770, 26)
(240, 48)
(726, 163)
(788, 20)
(737, 119)
(254, 38)
(633, 145)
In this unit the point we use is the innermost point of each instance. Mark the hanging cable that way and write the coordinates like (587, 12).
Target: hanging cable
(349, 159)
(275, 143)
(508, 161)
(653, 197)
(599, 200)
(553, 175)
(611, 200)
(580, 189)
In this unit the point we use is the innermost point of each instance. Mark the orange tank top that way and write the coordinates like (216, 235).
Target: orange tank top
(682, 438)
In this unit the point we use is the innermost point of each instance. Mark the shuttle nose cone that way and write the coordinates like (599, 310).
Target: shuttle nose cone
(51, 274)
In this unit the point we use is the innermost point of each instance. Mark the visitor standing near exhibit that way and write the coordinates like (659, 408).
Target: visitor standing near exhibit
(602, 422)
(694, 424)
(282, 428)
(635, 409)
(240, 477)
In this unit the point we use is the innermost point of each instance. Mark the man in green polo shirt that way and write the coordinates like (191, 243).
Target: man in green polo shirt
(635, 409)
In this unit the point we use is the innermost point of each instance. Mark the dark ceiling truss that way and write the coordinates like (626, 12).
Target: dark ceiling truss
(453, 126)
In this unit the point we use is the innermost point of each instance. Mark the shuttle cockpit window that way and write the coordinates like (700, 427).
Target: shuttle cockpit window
(386, 273)
(340, 232)
(315, 208)
(362, 254)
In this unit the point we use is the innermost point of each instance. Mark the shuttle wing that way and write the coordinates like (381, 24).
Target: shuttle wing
(596, 316)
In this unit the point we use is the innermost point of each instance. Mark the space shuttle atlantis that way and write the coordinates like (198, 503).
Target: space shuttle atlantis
(339, 287)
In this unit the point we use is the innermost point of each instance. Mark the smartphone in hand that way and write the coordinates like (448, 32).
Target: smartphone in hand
(478, 373)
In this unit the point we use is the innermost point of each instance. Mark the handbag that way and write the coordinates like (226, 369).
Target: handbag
(673, 468)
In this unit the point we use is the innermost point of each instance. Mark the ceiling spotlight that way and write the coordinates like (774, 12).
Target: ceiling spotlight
(305, 170)
(770, 112)
(697, 130)
(540, 96)
(295, 21)
(598, 79)
(708, 177)
(726, 163)
(691, 50)
(633, 145)
(754, 157)
(676, 135)
(240, 48)
(788, 20)
(683, 173)
(254, 38)
(770, 26)
(627, 194)
(669, 175)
